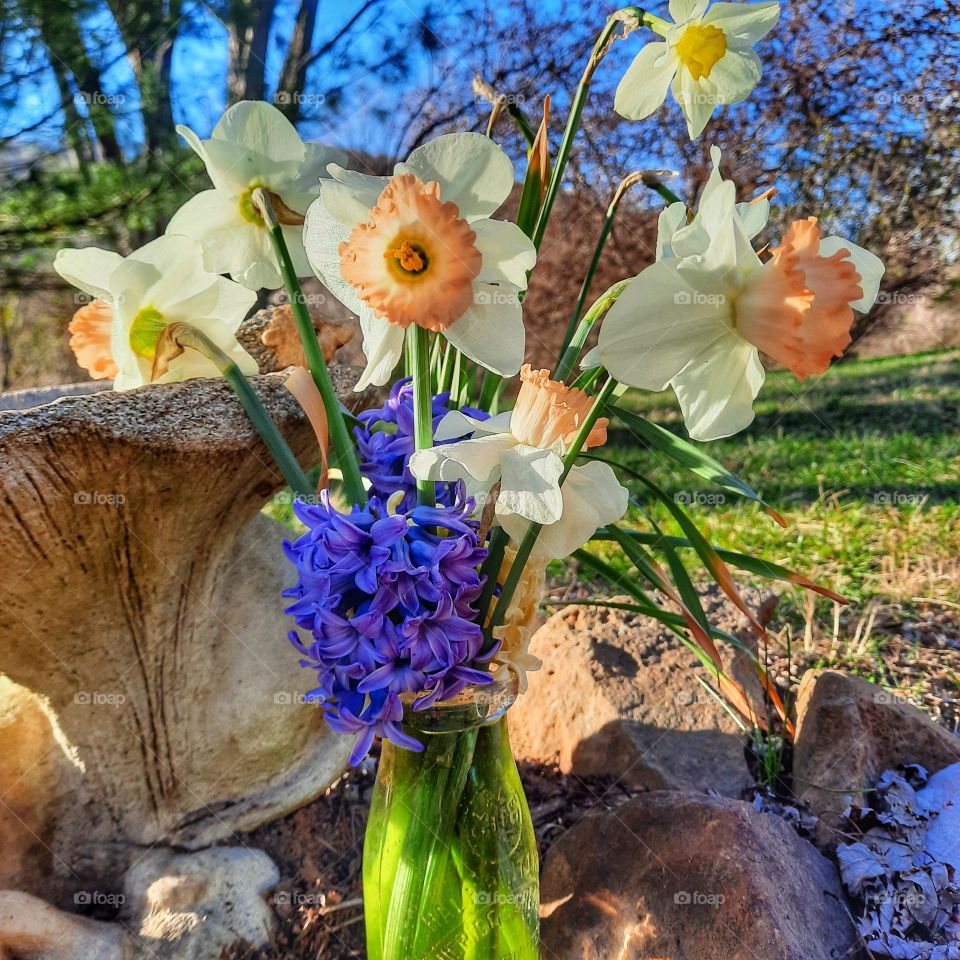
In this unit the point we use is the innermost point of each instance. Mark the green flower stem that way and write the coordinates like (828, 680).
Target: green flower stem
(632, 18)
(438, 861)
(435, 362)
(346, 454)
(657, 187)
(566, 362)
(491, 569)
(446, 761)
(488, 391)
(579, 335)
(446, 368)
(190, 337)
(418, 350)
(533, 530)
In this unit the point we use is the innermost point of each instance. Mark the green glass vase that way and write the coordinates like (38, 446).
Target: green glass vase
(450, 867)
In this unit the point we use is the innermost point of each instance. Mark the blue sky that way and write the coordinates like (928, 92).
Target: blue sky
(199, 75)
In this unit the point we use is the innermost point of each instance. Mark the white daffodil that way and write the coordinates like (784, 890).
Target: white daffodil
(420, 247)
(253, 145)
(706, 58)
(697, 319)
(523, 451)
(138, 296)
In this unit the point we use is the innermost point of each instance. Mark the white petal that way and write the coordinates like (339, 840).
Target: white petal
(88, 269)
(753, 216)
(163, 273)
(684, 10)
(710, 234)
(508, 253)
(660, 323)
(196, 144)
(298, 255)
(382, 346)
(240, 167)
(529, 484)
(590, 359)
(322, 235)
(260, 130)
(744, 22)
(317, 157)
(478, 458)
(350, 195)
(670, 220)
(592, 498)
(696, 100)
(473, 172)
(457, 424)
(223, 303)
(868, 265)
(231, 244)
(491, 331)
(644, 86)
(734, 76)
(716, 391)
(252, 142)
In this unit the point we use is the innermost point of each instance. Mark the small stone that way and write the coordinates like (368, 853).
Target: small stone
(33, 930)
(194, 906)
(688, 877)
(848, 732)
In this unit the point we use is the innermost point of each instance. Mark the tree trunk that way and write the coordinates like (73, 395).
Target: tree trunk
(149, 32)
(294, 73)
(248, 35)
(60, 34)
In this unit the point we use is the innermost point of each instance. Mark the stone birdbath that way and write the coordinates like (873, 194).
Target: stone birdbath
(150, 705)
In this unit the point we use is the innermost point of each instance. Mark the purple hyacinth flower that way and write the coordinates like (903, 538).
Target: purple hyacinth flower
(387, 598)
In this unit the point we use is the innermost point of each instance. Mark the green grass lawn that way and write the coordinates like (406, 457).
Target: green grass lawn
(863, 463)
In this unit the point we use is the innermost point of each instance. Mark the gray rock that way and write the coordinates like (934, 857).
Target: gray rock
(192, 906)
(31, 929)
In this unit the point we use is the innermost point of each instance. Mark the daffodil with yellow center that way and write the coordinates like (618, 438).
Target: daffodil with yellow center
(706, 59)
(252, 146)
(138, 297)
(700, 47)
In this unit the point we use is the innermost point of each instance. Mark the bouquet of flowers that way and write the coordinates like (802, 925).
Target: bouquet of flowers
(422, 560)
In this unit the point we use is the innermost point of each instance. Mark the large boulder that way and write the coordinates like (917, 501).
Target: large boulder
(848, 732)
(618, 696)
(686, 877)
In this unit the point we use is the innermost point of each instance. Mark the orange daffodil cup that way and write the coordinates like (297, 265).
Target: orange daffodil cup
(698, 318)
(523, 452)
(137, 297)
(706, 59)
(420, 247)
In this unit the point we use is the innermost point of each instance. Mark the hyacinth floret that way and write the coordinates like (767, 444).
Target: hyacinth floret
(385, 442)
(387, 596)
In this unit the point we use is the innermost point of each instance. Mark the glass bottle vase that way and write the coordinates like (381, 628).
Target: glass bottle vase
(450, 866)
